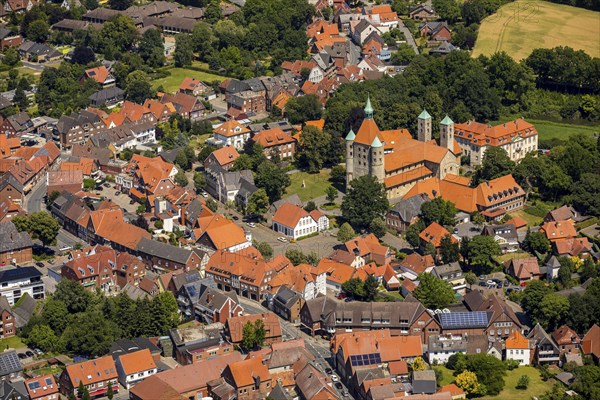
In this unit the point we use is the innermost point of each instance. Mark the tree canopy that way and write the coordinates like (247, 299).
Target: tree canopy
(366, 200)
(433, 292)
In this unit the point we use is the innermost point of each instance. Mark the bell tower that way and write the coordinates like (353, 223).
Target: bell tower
(447, 133)
(350, 156)
(424, 126)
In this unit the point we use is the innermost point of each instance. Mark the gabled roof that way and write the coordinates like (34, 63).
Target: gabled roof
(99, 74)
(136, 362)
(565, 335)
(235, 325)
(272, 137)
(92, 371)
(591, 341)
(559, 230)
(243, 373)
(225, 155)
(231, 128)
(516, 340)
(434, 233)
(417, 263)
(289, 215)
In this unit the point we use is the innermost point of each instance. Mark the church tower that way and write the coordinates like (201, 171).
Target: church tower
(424, 126)
(447, 133)
(377, 166)
(350, 156)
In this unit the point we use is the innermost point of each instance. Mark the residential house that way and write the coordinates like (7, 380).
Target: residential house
(451, 273)
(199, 342)
(109, 97)
(189, 381)
(590, 344)
(249, 379)
(16, 247)
(502, 319)
(230, 186)
(96, 375)
(524, 269)
(223, 158)
(438, 31)
(217, 233)
(160, 256)
(361, 30)
(505, 235)
(545, 349)
(564, 213)
(369, 248)
(10, 366)
(9, 210)
(232, 133)
(15, 282)
(405, 213)
(312, 384)
(8, 38)
(161, 112)
(337, 273)
(415, 264)
(38, 52)
(126, 346)
(8, 324)
(11, 189)
(135, 367)
(567, 339)
(234, 327)
(193, 87)
(559, 230)
(59, 181)
(517, 137)
(441, 347)
(423, 12)
(287, 304)
(470, 323)
(572, 247)
(150, 176)
(186, 105)
(306, 280)
(246, 97)
(203, 301)
(107, 226)
(517, 348)
(315, 73)
(17, 125)
(101, 75)
(276, 143)
(42, 387)
(433, 235)
(424, 382)
(76, 128)
(8, 145)
(247, 275)
(293, 221)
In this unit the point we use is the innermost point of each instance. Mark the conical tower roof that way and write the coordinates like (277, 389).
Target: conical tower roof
(369, 108)
(376, 143)
(350, 136)
(424, 115)
(447, 120)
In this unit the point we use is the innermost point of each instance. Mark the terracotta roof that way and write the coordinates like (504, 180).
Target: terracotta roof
(517, 222)
(250, 270)
(289, 215)
(366, 245)
(109, 224)
(190, 83)
(563, 213)
(404, 177)
(225, 155)
(559, 230)
(516, 340)
(319, 123)
(92, 371)
(272, 137)
(409, 285)
(222, 232)
(452, 389)
(235, 325)
(338, 272)
(244, 372)
(231, 128)
(591, 341)
(138, 361)
(40, 386)
(434, 233)
(525, 268)
(156, 389)
(390, 348)
(86, 165)
(99, 74)
(297, 66)
(573, 246)
(486, 135)
(417, 263)
(565, 335)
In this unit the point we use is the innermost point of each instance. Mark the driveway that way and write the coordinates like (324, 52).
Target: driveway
(409, 38)
(35, 199)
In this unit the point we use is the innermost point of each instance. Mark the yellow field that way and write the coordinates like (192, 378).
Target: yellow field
(524, 25)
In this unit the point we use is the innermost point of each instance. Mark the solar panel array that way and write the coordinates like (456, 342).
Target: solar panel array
(9, 362)
(477, 319)
(34, 385)
(365, 359)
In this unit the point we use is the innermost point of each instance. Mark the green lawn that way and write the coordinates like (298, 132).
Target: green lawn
(537, 387)
(524, 25)
(13, 342)
(171, 83)
(314, 185)
(553, 130)
(532, 220)
(447, 375)
(510, 256)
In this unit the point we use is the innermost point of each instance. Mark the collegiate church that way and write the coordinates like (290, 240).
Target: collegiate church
(396, 159)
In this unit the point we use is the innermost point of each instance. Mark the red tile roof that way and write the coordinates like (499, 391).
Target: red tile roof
(136, 362)
(41, 386)
(92, 371)
(434, 233)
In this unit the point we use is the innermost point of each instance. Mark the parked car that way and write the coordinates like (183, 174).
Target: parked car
(282, 239)
(338, 386)
(29, 353)
(251, 224)
(38, 352)
(348, 299)
(236, 218)
(131, 201)
(40, 264)
(482, 283)
(51, 261)
(328, 371)
(205, 195)
(335, 378)
(490, 283)
(341, 296)
(506, 283)
(345, 393)
(117, 193)
(21, 356)
(107, 185)
(498, 282)
(482, 277)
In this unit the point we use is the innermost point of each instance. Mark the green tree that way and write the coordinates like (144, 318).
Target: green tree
(38, 31)
(272, 179)
(490, 371)
(152, 49)
(586, 194)
(265, 249)
(258, 203)
(366, 199)
(199, 181)
(43, 337)
(404, 55)
(296, 256)
(523, 382)
(495, 163)
(184, 50)
(52, 197)
(109, 393)
(449, 250)
(412, 233)
(182, 161)
(212, 204)
(552, 311)
(20, 99)
(482, 250)
(120, 4)
(370, 288)
(471, 278)
(304, 108)
(589, 269)
(313, 149)
(55, 315)
(138, 87)
(354, 287)
(378, 227)
(468, 382)
(338, 177)
(40, 225)
(447, 9)
(11, 57)
(181, 179)
(438, 210)
(345, 233)
(73, 295)
(536, 242)
(418, 364)
(90, 334)
(433, 292)
(164, 314)
(331, 194)
(253, 335)
(310, 206)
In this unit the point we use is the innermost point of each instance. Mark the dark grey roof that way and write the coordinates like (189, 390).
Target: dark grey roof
(164, 250)
(170, 155)
(19, 273)
(103, 95)
(187, 277)
(193, 210)
(279, 393)
(236, 86)
(4, 103)
(410, 208)
(9, 179)
(293, 199)
(125, 346)
(255, 84)
(447, 269)
(9, 363)
(442, 342)
(101, 13)
(25, 310)
(424, 382)
(13, 391)
(507, 231)
(39, 49)
(11, 239)
(287, 297)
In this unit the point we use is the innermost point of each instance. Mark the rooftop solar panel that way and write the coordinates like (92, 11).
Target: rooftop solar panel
(477, 319)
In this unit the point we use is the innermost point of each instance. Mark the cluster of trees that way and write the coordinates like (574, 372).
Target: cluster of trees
(297, 257)
(485, 377)
(80, 322)
(433, 292)
(253, 335)
(40, 225)
(318, 148)
(365, 202)
(363, 290)
(589, 4)
(570, 174)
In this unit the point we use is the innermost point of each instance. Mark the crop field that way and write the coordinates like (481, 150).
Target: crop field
(524, 25)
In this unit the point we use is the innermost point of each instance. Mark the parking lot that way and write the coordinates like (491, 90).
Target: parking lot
(122, 200)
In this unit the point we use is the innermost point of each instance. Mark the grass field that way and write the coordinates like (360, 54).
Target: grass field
(315, 185)
(171, 83)
(447, 375)
(14, 342)
(524, 25)
(556, 130)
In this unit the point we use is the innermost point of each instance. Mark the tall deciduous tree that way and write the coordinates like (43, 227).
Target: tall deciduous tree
(433, 292)
(138, 87)
(438, 210)
(366, 200)
(496, 163)
(272, 179)
(258, 203)
(345, 232)
(313, 149)
(304, 108)
(184, 50)
(449, 250)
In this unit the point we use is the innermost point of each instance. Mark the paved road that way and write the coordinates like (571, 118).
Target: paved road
(409, 38)
(35, 199)
(65, 239)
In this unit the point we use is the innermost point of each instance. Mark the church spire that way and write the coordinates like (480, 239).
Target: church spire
(369, 108)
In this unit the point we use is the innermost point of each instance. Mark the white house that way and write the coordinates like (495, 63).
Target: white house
(232, 133)
(517, 348)
(135, 367)
(441, 347)
(293, 221)
(15, 282)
